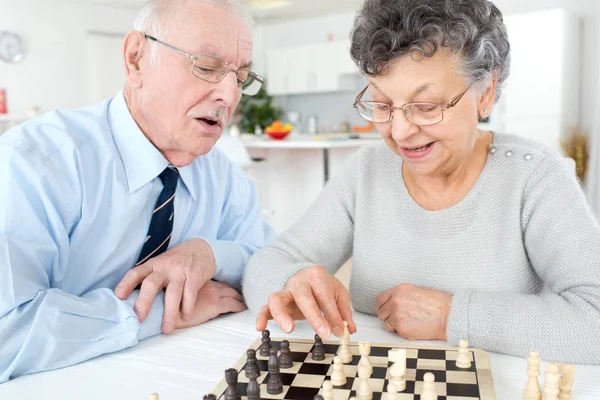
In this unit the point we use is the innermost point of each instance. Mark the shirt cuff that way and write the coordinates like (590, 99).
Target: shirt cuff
(152, 325)
(230, 259)
(458, 321)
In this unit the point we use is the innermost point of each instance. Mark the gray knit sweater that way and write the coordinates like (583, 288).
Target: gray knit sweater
(520, 253)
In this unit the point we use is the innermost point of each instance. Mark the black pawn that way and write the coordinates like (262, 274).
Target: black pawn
(318, 397)
(253, 388)
(210, 397)
(318, 351)
(266, 343)
(231, 377)
(274, 384)
(251, 363)
(285, 358)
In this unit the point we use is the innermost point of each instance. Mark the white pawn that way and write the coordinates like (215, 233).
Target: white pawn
(327, 390)
(552, 376)
(344, 352)
(392, 392)
(338, 376)
(398, 368)
(153, 396)
(532, 387)
(364, 390)
(364, 349)
(429, 392)
(464, 357)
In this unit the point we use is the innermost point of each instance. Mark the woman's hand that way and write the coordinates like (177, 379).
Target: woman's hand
(415, 313)
(312, 294)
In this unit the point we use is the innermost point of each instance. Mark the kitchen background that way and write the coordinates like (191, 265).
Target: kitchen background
(72, 57)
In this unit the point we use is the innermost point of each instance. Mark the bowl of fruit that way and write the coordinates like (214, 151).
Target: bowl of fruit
(278, 131)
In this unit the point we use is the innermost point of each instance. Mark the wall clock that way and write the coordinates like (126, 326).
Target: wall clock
(11, 47)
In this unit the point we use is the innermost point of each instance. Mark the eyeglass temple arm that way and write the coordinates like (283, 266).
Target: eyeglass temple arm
(358, 97)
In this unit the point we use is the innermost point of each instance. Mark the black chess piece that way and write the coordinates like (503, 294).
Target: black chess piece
(231, 377)
(209, 397)
(274, 384)
(253, 388)
(285, 358)
(318, 397)
(318, 351)
(251, 363)
(266, 343)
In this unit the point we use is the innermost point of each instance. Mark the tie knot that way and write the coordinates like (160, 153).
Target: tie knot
(169, 177)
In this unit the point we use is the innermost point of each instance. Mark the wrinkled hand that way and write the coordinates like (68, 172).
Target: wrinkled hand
(415, 313)
(214, 299)
(182, 270)
(312, 294)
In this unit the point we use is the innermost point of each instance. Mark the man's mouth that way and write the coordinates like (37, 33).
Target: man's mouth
(210, 121)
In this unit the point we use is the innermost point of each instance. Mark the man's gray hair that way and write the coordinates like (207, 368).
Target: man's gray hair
(385, 30)
(153, 17)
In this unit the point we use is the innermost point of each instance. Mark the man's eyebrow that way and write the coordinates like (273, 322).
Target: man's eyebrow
(247, 65)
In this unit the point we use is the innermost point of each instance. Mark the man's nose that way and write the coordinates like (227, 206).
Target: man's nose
(228, 90)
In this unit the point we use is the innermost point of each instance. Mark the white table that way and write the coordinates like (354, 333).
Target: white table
(190, 363)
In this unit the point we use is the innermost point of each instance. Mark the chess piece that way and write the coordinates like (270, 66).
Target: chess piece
(153, 396)
(392, 392)
(318, 397)
(327, 390)
(251, 363)
(565, 383)
(551, 376)
(364, 390)
(231, 377)
(338, 376)
(429, 392)
(398, 368)
(209, 397)
(364, 349)
(463, 360)
(344, 351)
(532, 387)
(318, 351)
(265, 346)
(274, 384)
(285, 358)
(253, 388)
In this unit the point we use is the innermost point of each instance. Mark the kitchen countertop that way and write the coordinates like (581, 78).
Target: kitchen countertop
(305, 141)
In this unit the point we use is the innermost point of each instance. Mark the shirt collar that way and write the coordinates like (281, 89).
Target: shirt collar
(143, 162)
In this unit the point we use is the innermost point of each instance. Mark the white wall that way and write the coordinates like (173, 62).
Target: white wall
(54, 71)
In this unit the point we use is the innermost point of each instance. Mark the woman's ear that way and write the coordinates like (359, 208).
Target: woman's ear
(132, 52)
(488, 97)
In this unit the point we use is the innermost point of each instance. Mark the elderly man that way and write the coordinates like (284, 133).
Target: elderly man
(102, 208)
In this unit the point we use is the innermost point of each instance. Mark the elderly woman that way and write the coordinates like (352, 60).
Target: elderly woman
(455, 232)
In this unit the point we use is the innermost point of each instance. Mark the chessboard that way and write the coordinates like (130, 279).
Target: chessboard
(305, 379)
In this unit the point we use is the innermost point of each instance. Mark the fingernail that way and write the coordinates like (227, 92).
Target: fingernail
(323, 332)
(287, 327)
(337, 331)
(167, 327)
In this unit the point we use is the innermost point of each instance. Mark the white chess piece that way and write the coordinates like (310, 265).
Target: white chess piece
(327, 390)
(364, 349)
(398, 368)
(338, 376)
(565, 383)
(153, 396)
(532, 387)
(364, 390)
(551, 376)
(464, 356)
(429, 392)
(392, 392)
(344, 352)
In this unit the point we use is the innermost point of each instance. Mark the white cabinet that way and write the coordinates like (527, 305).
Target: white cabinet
(541, 99)
(318, 68)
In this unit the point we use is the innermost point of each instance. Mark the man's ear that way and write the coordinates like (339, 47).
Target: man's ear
(486, 102)
(133, 51)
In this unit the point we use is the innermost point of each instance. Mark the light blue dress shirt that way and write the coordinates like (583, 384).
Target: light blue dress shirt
(77, 190)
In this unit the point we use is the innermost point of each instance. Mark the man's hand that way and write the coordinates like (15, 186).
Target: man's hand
(182, 270)
(214, 299)
(312, 294)
(415, 313)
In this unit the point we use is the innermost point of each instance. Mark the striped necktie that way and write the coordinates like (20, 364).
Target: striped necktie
(161, 225)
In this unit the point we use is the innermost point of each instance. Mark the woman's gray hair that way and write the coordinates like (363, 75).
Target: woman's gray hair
(385, 30)
(153, 17)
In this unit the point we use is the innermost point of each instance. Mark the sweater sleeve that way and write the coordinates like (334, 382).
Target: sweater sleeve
(323, 236)
(562, 240)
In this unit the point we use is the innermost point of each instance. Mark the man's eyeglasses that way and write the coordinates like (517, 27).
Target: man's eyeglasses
(214, 70)
(422, 114)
